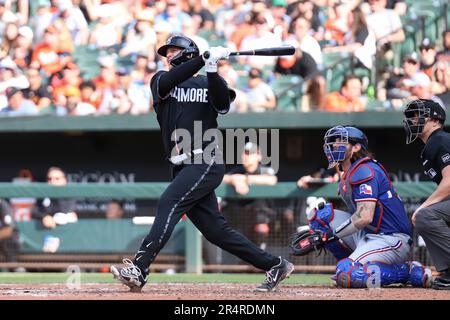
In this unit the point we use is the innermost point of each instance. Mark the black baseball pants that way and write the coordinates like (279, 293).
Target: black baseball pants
(192, 192)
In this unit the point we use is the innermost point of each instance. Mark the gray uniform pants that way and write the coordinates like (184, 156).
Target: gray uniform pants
(433, 224)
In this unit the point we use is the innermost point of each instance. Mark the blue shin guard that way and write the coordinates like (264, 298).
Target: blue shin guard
(350, 274)
(419, 276)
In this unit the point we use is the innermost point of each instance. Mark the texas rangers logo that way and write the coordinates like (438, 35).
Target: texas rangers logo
(365, 189)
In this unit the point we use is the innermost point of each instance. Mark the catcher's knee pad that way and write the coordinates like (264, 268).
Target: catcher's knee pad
(419, 276)
(350, 274)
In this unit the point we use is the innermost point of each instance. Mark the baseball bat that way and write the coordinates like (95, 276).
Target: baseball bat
(275, 51)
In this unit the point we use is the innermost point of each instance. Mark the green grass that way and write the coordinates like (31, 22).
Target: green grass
(35, 278)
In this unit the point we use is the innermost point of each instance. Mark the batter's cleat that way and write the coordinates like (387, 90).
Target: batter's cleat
(442, 282)
(130, 275)
(419, 276)
(275, 275)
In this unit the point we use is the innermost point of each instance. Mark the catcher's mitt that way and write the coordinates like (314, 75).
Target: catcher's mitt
(306, 241)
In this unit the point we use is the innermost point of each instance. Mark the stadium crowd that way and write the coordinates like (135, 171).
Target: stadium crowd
(83, 57)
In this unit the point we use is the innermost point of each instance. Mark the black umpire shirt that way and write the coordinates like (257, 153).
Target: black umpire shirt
(187, 102)
(436, 155)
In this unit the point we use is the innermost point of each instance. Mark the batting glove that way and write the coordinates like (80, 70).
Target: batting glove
(215, 54)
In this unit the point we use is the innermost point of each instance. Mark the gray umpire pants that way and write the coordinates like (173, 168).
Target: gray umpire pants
(433, 224)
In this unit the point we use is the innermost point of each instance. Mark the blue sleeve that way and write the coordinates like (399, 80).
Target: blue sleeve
(366, 191)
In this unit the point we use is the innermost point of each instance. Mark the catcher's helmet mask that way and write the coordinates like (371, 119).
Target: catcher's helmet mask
(189, 49)
(420, 110)
(336, 140)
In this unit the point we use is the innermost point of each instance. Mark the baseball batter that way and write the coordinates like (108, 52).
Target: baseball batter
(424, 119)
(180, 98)
(373, 240)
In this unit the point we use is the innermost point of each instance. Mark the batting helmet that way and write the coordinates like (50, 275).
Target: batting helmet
(336, 140)
(416, 114)
(189, 49)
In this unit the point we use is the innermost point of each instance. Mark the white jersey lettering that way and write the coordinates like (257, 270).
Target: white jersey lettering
(190, 94)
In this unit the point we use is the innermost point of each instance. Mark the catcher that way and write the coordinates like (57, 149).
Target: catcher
(373, 241)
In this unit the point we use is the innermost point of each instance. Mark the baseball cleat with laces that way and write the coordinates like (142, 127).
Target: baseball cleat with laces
(275, 275)
(130, 275)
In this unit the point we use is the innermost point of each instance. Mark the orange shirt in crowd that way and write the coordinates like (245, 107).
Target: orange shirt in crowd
(47, 57)
(336, 102)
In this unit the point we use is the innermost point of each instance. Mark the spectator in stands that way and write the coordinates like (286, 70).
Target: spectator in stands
(121, 102)
(441, 82)
(239, 24)
(141, 38)
(46, 54)
(310, 11)
(421, 89)
(320, 176)
(9, 234)
(3, 14)
(139, 91)
(444, 54)
(47, 209)
(106, 32)
(428, 57)
(38, 92)
(90, 97)
(300, 64)
(241, 177)
(22, 52)
(11, 75)
(336, 24)
(399, 85)
(17, 104)
(385, 23)
(281, 20)
(141, 64)
(348, 98)
(399, 6)
(8, 39)
(260, 96)
(314, 97)
(231, 18)
(114, 210)
(190, 29)
(226, 71)
(106, 82)
(262, 38)
(74, 21)
(41, 20)
(301, 28)
(67, 88)
(357, 39)
(200, 12)
(173, 15)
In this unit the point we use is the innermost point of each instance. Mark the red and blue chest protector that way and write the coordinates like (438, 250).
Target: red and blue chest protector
(367, 180)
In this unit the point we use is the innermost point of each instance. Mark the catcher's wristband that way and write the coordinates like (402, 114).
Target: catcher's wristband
(346, 228)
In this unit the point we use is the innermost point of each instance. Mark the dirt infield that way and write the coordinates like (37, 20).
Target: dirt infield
(218, 291)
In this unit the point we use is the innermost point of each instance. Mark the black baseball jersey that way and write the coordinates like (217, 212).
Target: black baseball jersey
(187, 102)
(436, 155)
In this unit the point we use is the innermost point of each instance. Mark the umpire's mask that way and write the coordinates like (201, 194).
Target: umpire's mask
(416, 114)
(189, 49)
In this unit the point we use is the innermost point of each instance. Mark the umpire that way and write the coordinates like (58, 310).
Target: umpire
(181, 98)
(425, 119)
